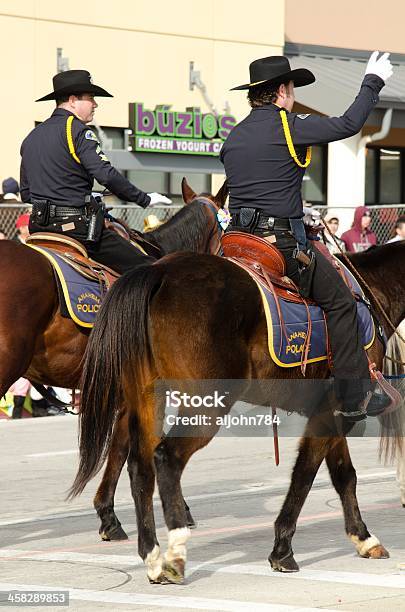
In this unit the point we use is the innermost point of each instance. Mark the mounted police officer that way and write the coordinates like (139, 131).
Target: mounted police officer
(265, 157)
(60, 159)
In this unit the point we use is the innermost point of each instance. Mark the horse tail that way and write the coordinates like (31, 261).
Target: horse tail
(118, 346)
(392, 440)
(392, 435)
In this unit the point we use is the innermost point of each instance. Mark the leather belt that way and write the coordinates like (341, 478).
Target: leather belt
(265, 222)
(66, 211)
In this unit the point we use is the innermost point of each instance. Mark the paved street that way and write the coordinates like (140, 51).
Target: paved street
(234, 491)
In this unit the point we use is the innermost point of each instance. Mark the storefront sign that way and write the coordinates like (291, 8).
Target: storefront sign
(166, 131)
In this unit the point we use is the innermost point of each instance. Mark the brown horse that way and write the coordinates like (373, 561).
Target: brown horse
(198, 317)
(38, 343)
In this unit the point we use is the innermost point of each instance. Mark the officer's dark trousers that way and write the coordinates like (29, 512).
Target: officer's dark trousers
(116, 252)
(331, 293)
(111, 249)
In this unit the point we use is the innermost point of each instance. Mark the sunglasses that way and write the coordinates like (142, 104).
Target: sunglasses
(367, 215)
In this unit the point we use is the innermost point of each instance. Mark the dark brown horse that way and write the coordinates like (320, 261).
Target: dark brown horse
(38, 343)
(198, 317)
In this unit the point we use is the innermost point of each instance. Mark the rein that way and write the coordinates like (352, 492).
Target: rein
(367, 286)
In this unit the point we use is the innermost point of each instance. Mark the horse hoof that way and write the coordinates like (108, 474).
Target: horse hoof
(377, 552)
(174, 571)
(161, 579)
(288, 564)
(115, 534)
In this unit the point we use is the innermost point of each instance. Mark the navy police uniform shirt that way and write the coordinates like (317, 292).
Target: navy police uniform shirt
(49, 171)
(259, 168)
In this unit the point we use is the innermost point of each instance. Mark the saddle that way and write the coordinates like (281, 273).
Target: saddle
(75, 254)
(81, 282)
(297, 329)
(265, 262)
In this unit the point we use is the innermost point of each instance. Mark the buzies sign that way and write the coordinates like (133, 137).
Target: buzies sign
(190, 132)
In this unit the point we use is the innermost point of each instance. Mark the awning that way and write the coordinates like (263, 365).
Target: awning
(338, 81)
(127, 160)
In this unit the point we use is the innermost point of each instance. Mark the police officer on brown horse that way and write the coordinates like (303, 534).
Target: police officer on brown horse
(61, 158)
(265, 157)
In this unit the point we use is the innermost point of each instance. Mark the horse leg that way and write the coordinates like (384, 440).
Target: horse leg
(312, 452)
(170, 461)
(344, 480)
(110, 528)
(141, 470)
(171, 457)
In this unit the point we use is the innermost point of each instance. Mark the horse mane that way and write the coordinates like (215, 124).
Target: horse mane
(376, 256)
(187, 228)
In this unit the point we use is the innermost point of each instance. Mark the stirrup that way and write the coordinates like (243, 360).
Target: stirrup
(356, 415)
(390, 394)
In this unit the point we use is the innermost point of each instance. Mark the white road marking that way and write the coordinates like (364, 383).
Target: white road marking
(164, 601)
(86, 511)
(391, 581)
(72, 451)
(35, 534)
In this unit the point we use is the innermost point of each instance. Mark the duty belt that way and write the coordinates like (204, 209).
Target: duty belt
(66, 211)
(264, 221)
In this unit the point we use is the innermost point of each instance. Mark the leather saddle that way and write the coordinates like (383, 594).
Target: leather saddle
(263, 261)
(75, 254)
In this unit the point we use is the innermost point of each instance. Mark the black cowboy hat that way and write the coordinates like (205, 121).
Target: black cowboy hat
(74, 82)
(276, 69)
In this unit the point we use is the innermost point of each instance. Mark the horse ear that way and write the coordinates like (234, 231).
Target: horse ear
(188, 194)
(222, 194)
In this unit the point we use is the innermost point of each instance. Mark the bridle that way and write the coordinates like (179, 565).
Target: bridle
(218, 229)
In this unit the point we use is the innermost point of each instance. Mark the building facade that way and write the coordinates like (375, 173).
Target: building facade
(140, 52)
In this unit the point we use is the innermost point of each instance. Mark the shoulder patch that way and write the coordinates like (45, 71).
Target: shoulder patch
(303, 116)
(90, 135)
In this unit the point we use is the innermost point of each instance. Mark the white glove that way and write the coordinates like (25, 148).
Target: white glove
(158, 198)
(311, 216)
(382, 66)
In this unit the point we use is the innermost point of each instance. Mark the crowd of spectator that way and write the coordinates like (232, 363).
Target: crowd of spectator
(360, 236)
(399, 230)
(10, 191)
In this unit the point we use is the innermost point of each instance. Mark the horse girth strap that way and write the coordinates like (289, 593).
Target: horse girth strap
(69, 137)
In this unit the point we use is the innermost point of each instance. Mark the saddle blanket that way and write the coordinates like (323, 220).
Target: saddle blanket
(80, 297)
(286, 345)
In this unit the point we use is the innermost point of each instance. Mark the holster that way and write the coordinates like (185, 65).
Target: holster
(95, 216)
(306, 270)
(40, 212)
